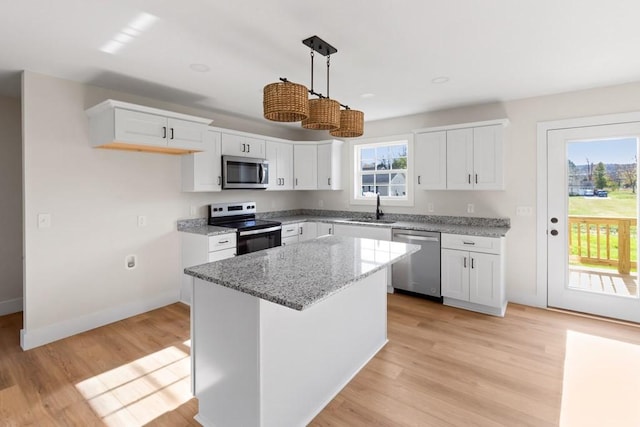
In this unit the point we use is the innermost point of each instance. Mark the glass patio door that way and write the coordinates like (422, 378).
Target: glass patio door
(592, 230)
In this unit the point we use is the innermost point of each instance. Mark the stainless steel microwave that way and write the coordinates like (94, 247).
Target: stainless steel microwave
(244, 172)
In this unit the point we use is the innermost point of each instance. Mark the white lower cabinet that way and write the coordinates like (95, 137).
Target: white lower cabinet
(324, 229)
(473, 273)
(200, 249)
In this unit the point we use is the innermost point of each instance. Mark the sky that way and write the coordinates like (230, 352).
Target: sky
(620, 151)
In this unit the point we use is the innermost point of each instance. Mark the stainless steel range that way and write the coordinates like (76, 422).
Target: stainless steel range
(253, 234)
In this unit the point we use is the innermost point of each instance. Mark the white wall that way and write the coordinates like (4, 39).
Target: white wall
(520, 169)
(10, 207)
(75, 276)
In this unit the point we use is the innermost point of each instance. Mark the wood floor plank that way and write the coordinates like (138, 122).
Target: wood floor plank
(442, 367)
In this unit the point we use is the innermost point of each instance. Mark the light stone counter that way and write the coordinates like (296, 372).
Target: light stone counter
(298, 276)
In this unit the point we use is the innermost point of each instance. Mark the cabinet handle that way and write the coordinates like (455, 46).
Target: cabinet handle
(289, 230)
(468, 243)
(469, 178)
(219, 180)
(244, 148)
(476, 178)
(419, 180)
(164, 132)
(296, 181)
(301, 230)
(465, 262)
(472, 263)
(171, 133)
(223, 241)
(328, 181)
(248, 148)
(281, 181)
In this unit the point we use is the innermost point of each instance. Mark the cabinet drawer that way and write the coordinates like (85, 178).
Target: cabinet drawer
(490, 245)
(221, 254)
(290, 230)
(222, 241)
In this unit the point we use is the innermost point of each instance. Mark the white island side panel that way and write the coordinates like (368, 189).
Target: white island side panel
(308, 356)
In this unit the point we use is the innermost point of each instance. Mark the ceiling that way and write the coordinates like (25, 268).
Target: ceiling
(388, 51)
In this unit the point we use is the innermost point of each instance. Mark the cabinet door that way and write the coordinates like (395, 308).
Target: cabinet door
(430, 160)
(460, 159)
(202, 171)
(222, 254)
(305, 166)
(455, 274)
(487, 158)
(271, 154)
(140, 128)
(308, 231)
(240, 145)
(186, 134)
(324, 229)
(289, 240)
(329, 165)
(285, 166)
(484, 279)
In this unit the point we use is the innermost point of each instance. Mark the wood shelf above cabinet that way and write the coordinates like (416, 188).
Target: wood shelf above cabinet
(123, 126)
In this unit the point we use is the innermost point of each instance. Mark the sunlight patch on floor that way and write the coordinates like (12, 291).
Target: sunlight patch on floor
(140, 391)
(601, 384)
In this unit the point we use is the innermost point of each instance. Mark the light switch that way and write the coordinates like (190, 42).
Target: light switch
(44, 220)
(142, 221)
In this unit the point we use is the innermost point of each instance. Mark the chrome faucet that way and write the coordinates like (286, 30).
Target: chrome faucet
(379, 212)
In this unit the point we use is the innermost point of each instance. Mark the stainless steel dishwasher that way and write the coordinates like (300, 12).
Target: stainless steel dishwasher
(420, 272)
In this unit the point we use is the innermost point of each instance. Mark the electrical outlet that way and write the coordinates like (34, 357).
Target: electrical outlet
(130, 262)
(524, 211)
(142, 221)
(430, 207)
(44, 220)
(470, 208)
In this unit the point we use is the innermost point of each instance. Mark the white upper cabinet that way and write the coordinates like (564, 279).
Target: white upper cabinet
(430, 160)
(460, 157)
(202, 171)
(305, 166)
(237, 144)
(330, 165)
(488, 158)
(124, 126)
(280, 157)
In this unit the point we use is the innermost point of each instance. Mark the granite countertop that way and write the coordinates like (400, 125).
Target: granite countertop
(298, 276)
(487, 227)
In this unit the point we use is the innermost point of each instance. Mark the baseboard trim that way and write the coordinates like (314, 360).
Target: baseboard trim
(10, 306)
(57, 331)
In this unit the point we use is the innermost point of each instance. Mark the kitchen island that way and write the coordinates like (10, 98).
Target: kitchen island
(276, 334)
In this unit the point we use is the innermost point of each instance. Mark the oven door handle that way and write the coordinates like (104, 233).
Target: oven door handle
(261, 174)
(260, 231)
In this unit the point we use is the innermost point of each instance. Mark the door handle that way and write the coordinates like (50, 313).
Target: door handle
(554, 232)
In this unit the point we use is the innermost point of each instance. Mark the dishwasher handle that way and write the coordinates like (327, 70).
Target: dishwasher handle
(413, 237)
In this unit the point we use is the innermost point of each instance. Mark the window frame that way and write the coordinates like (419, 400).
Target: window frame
(354, 170)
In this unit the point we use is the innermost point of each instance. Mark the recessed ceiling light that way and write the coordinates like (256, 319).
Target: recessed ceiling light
(200, 68)
(367, 95)
(440, 80)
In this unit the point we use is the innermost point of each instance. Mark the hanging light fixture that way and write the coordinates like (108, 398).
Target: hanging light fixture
(283, 102)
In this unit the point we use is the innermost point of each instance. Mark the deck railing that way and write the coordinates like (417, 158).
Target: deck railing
(603, 241)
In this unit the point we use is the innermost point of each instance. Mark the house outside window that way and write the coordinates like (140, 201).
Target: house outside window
(382, 166)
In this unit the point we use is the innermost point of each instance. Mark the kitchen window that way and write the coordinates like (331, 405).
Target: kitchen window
(383, 166)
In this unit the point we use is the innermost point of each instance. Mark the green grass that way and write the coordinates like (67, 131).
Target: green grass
(622, 203)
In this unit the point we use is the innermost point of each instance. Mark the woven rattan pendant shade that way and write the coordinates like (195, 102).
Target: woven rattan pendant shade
(324, 114)
(351, 124)
(285, 102)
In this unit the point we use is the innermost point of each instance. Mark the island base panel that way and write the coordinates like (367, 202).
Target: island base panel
(286, 368)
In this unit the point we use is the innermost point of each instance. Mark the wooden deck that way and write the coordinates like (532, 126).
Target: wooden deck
(603, 281)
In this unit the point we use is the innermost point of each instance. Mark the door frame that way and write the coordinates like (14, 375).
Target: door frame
(540, 298)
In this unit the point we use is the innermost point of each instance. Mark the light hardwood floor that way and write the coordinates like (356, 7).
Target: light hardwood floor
(441, 367)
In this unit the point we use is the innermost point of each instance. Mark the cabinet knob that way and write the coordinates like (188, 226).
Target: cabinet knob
(554, 232)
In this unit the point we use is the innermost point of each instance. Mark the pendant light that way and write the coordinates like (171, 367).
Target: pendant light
(285, 101)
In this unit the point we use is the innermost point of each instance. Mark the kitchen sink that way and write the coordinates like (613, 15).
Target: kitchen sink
(371, 220)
